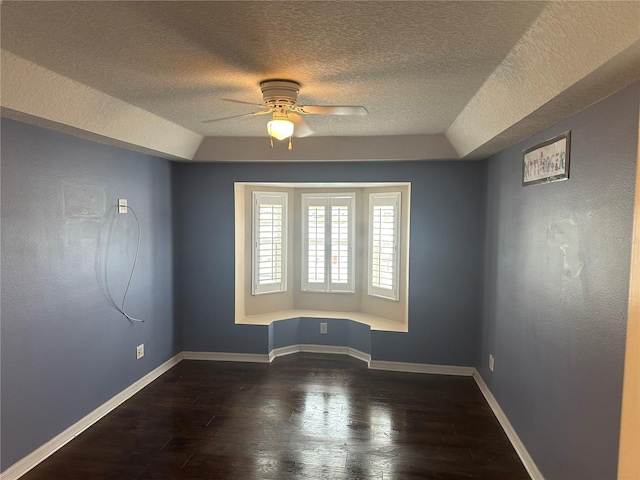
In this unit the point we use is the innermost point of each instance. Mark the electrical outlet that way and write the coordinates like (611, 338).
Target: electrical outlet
(140, 351)
(323, 328)
(492, 362)
(122, 205)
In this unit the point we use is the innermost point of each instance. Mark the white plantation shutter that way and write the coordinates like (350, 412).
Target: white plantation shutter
(315, 244)
(384, 255)
(269, 242)
(340, 243)
(328, 242)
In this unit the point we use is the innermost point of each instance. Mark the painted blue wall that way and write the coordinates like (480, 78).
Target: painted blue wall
(555, 291)
(549, 302)
(340, 333)
(284, 333)
(447, 212)
(65, 349)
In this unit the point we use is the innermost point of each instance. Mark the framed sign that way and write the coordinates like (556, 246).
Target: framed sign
(548, 161)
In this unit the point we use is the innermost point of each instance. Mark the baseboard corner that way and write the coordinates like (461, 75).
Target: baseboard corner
(519, 447)
(22, 466)
(323, 349)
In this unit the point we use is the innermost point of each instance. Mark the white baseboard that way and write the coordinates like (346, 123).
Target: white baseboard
(325, 349)
(365, 357)
(282, 351)
(422, 368)
(22, 466)
(519, 447)
(25, 464)
(227, 357)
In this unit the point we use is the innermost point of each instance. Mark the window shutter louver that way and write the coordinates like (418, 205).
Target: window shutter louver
(269, 242)
(328, 229)
(384, 256)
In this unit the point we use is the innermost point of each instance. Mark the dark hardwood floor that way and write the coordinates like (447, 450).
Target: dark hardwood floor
(304, 416)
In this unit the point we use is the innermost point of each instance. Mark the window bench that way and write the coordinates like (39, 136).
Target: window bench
(376, 323)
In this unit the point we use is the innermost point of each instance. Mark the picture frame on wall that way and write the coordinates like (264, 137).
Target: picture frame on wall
(548, 161)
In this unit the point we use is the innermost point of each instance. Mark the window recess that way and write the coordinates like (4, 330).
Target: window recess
(384, 245)
(328, 225)
(269, 237)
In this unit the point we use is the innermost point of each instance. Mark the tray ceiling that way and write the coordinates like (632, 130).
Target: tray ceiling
(426, 71)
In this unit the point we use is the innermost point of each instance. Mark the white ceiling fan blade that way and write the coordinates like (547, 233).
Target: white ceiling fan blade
(237, 116)
(331, 110)
(244, 103)
(302, 128)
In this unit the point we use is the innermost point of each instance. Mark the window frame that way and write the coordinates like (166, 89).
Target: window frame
(259, 198)
(385, 199)
(328, 200)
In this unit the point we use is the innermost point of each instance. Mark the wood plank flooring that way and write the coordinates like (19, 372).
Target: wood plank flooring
(304, 416)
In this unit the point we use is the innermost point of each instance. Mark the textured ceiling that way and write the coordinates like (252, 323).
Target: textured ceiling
(414, 65)
(417, 66)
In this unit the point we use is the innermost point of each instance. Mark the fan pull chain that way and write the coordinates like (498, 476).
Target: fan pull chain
(290, 147)
(271, 138)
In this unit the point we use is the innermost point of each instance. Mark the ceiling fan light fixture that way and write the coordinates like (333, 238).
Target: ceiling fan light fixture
(280, 128)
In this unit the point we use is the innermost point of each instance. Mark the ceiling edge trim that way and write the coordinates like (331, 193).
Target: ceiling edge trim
(621, 72)
(71, 107)
(558, 51)
(76, 132)
(392, 147)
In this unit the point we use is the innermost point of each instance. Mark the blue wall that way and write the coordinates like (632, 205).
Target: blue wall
(340, 333)
(537, 276)
(555, 291)
(447, 211)
(65, 349)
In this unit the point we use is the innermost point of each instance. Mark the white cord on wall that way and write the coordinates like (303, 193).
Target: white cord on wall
(133, 267)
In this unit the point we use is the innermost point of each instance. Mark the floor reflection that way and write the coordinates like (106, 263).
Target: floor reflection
(305, 417)
(326, 414)
(381, 425)
(324, 430)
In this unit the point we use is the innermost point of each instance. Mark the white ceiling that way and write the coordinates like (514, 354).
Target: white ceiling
(440, 79)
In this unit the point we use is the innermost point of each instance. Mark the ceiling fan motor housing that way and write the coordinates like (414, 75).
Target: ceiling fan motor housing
(280, 93)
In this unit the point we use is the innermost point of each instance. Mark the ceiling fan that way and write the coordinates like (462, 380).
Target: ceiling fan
(280, 99)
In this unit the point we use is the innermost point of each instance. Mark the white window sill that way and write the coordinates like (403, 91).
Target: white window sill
(376, 323)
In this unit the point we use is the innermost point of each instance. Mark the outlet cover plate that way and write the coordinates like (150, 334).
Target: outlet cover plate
(323, 328)
(122, 205)
(140, 351)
